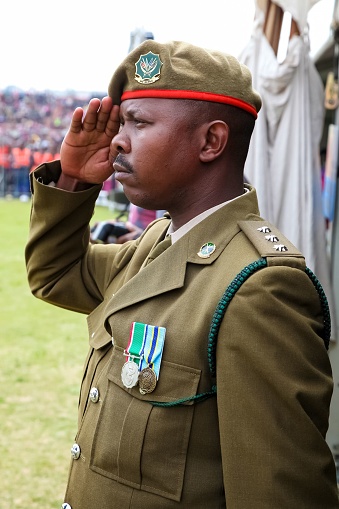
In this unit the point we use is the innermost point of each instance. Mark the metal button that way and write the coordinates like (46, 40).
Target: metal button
(94, 395)
(75, 451)
(66, 506)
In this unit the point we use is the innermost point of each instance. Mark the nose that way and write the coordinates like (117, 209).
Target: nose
(121, 143)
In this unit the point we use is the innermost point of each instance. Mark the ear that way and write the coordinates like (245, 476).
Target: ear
(216, 137)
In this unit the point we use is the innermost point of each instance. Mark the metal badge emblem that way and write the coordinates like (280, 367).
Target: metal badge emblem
(147, 68)
(206, 250)
(271, 238)
(130, 374)
(147, 381)
(280, 247)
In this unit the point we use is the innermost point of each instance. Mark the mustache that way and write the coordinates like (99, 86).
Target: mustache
(120, 159)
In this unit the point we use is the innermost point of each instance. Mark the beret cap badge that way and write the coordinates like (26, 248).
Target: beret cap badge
(187, 72)
(147, 68)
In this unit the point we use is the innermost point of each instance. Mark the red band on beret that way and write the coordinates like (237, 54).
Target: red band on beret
(189, 94)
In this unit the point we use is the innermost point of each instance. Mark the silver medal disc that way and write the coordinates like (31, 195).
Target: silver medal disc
(130, 374)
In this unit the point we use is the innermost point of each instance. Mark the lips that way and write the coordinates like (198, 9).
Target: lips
(120, 165)
(122, 170)
(119, 168)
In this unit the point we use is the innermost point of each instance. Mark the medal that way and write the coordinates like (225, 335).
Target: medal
(130, 374)
(130, 370)
(144, 353)
(147, 380)
(151, 358)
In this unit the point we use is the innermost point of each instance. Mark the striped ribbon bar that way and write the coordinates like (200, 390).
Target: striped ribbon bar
(136, 342)
(153, 348)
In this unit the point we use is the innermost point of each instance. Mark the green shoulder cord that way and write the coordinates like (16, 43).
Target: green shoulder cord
(218, 316)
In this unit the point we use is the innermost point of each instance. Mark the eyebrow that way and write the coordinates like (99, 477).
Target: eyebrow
(132, 112)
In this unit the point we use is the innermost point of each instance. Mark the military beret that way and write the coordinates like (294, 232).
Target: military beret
(179, 70)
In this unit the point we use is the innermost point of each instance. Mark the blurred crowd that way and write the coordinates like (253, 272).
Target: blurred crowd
(32, 127)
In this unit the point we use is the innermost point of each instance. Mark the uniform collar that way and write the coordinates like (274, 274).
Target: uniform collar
(177, 234)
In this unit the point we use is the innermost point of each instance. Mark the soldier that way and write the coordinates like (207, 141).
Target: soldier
(207, 382)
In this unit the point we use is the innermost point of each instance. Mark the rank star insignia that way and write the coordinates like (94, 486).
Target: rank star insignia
(264, 229)
(271, 238)
(207, 249)
(280, 247)
(147, 68)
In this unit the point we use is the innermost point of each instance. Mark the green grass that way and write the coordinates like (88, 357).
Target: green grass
(42, 350)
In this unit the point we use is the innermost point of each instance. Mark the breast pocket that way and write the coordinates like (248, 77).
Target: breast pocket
(139, 444)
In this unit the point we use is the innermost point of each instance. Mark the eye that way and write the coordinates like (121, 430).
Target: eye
(139, 123)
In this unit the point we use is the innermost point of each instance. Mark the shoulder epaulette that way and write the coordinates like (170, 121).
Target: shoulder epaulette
(272, 244)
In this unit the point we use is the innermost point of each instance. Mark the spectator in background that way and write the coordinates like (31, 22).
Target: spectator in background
(44, 155)
(21, 164)
(137, 221)
(5, 164)
(36, 121)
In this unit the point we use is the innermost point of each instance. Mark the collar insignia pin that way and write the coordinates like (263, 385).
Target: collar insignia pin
(207, 249)
(147, 68)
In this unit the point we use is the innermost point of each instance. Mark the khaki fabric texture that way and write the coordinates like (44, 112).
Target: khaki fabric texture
(189, 68)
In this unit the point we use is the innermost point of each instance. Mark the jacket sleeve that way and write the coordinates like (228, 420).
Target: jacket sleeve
(63, 267)
(274, 387)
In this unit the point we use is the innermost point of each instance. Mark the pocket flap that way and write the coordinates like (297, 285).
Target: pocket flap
(175, 381)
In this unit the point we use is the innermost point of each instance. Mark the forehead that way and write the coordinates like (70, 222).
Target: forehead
(151, 106)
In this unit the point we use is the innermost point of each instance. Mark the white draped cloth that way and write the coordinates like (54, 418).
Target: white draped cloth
(283, 161)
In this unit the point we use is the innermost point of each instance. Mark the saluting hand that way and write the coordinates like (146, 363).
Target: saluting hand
(85, 149)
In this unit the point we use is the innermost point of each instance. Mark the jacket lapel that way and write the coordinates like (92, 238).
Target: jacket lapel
(167, 271)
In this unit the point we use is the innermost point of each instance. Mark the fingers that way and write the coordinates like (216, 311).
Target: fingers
(113, 127)
(93, 114)
(76, 123)
(103, 114)
(113, 122)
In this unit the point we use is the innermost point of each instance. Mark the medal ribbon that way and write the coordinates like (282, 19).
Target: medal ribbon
(153, 348)
(136, 342)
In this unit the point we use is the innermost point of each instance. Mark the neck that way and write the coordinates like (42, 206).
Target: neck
(193, 209)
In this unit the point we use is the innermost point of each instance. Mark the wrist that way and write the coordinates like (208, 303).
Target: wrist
(71, 184)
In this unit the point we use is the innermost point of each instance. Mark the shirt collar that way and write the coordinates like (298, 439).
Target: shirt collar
(180, 232)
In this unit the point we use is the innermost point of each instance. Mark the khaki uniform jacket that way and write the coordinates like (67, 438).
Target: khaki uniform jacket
(259, 442)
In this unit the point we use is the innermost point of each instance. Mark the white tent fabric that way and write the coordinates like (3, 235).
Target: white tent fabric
(283, 161)
(298, 10)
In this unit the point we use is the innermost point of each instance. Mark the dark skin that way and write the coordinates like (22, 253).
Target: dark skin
(181, 156)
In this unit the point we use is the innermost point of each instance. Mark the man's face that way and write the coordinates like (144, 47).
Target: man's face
(158, 153)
